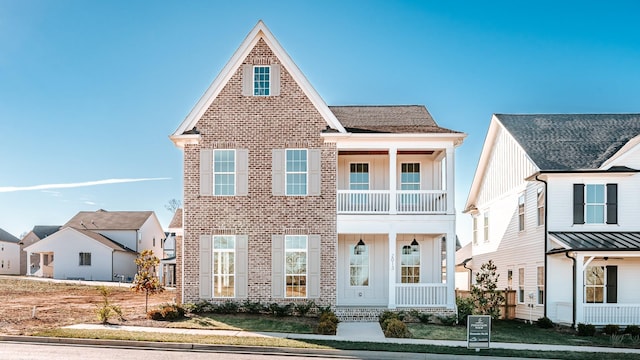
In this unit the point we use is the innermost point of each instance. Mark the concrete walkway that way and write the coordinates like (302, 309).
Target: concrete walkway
(358, 332)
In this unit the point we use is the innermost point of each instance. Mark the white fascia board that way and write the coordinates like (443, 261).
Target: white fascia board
(260, 31)
(619, 156)
(182, 140)
(386, 141)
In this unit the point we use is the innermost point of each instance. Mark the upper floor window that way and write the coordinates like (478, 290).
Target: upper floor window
(224, 251)
(486, 226)
(296, 266)
(521, 212)
(540, 206)
(224, 172)
(475, 229)
(261, 80)
(359, 176)
(595, 203)
(296, 172)
(410, 176)
(410, 264)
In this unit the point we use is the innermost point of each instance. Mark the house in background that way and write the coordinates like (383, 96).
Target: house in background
(168, 261)
(554, 203)
(288, 199)
(100, 245)
(9, 254)
(36, 234)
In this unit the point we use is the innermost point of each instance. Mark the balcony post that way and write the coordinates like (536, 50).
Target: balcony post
(579, 280)
(450, 244)
(393, 183)
(392, 269)
(450, 180)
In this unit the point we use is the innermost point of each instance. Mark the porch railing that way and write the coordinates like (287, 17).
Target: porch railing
(379, 201)
(421, 295)
(604, 314)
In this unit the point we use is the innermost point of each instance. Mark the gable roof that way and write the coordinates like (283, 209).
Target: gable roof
(260, 31)
(598, 240)
(176, 221)
(571, 141)
(109, 220)
(104, 240)
(42, 231)
(387, 119)
(6, 237)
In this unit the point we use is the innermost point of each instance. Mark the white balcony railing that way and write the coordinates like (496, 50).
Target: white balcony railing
(380, 201)
(619, 314)
(417, 295)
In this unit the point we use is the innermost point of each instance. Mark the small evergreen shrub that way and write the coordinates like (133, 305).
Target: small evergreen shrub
(586, 329)
(329, 316)
(302, 309)
(611, 329)
(202, 307)
(448, 320)
(424, 318)
(395, 328)
(544, 323)
(632, 330)
(327, 323)
(324, 309)
(466, 307)
(253, 307)
(386, 315)
(280, 310)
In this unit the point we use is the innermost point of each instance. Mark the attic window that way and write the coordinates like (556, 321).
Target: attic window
(261, 80)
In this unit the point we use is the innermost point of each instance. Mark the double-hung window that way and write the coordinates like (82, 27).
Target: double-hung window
(521, 212)
(409, 180)
(475, 229)
(295, 266)
(261, 80)
(486, 226)
(595, 203)
(601, 284)
(359, 180)
(224, 251)
(521, 285)
(540, 285)
(540, 206)
(296, 171)
(410, 264)
(224, 172)
(85, 259)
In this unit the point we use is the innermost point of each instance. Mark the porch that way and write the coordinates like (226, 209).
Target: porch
(605, 314)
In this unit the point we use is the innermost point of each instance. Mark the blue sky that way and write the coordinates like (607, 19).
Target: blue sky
(90, 90)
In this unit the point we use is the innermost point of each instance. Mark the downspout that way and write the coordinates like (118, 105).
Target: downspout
(464, 265)
(573, 281)
(546, 236)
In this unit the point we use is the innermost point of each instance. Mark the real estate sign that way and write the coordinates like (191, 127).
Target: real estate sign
(478, 331)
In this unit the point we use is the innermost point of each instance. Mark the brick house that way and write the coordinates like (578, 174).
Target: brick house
(288, 199)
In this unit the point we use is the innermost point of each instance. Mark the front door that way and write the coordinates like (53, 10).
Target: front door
(362, 270)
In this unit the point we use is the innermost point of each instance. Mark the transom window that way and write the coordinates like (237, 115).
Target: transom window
(85, 259)
(261, 80)
(224, 251)
(224, 172)
(594, 204)
(410, 264)
(359, 265)
(594, 284)
(296, 171)
(410, 176)
(296, 266)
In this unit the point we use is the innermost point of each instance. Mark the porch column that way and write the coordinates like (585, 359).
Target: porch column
(579, 300)
(392, 269)
(450, 180)
(41, 264)
(393, 183)
(28, 264)
(451, 266)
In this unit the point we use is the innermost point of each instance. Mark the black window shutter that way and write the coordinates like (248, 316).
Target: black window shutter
(612, 203)
(578, 203)
(612, 284)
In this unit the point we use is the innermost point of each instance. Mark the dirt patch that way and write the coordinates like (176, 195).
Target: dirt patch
(59, 305)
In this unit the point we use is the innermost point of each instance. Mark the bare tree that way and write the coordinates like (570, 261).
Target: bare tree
(173, 205)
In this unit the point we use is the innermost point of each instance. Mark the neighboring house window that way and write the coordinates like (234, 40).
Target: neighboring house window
(85, 259)
(540, 206)
(509, 279)
(601, 284)
(595, 204)
(8, 264)
(521, 285)
(359, 265)
(261, 80)
(475, 230)
(410, 264)
(224, 172)
(359, 180)
(295, 266)
(296, 171)
(154, 242)
(521, 212)
(224, 251)
(2, 264)
(486, 226)
(540, 285)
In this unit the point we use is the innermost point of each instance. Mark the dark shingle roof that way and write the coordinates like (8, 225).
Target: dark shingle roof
(6, 237)
(571, 141)
(387, 119)
(105, 240)
(109, 220)
(599, 240)
(42, 231)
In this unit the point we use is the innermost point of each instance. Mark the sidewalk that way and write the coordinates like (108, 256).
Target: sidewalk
(358, 332)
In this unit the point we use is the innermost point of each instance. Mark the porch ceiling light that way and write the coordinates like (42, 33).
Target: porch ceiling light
(414, 245)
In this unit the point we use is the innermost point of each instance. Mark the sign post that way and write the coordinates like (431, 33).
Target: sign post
(478, 332)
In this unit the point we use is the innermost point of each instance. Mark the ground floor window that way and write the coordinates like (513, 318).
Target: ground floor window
(85, 259)
(410, 264)
(540, 285)
(296, 266)
(359, 264)
(521, 285)
(224, 251)
(594, 283)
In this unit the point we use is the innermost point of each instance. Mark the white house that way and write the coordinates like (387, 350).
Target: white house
(100, 245)
(554, 205)
(36, 234)
(9, 254)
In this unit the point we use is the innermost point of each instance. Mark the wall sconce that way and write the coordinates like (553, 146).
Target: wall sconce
(359, 248)
(415, 246)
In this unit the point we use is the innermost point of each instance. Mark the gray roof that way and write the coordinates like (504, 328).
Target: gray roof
(42, 231)
(105, 240)
(571, 141)
(387, 119)
(6, 237)
(109, 220)
(599, 240)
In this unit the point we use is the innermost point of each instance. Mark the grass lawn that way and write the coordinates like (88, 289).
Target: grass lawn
(249, 322)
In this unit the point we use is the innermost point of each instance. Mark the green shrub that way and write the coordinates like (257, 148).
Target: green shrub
(632, 330)
(611, 329)
(324, 309)
(394, 328)
(227, 307)
(586, 329)
(280, 310)
(326, 328)
(448, 320)
(106, 310)
(466, 307)
(253, 307)
(386, 315)
(329, 316)
(202, 307)
(424, 318)
(302, 309)
(544, 323)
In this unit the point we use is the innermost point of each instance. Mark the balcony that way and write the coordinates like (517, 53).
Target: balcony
(392, 202)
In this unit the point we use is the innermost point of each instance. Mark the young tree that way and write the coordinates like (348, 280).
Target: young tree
(487, 299)
(146, 279)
